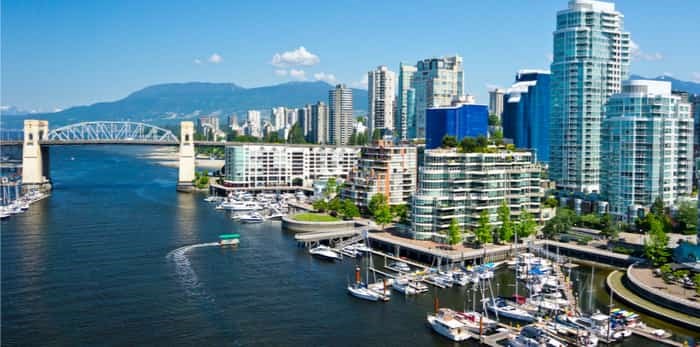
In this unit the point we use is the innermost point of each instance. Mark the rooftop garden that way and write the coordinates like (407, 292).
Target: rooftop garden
(314, 217)
(479, 144)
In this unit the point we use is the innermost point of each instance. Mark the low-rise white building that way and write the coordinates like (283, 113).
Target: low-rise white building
(269, 165)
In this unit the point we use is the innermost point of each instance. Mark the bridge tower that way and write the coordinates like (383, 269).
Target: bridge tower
(186, 171)
(35, 158)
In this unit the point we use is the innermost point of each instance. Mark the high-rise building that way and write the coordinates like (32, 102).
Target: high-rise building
(305, 119)
(525, 117)
(382, 99)
(253, 124)
(233, 121)
(340, 118)
(279, 117)
(292, 116)
(461, 120)
(456, 185)
(383, 168)
(647, 148)
(591, 59)
(437, 82)
(406, 104)
(496, 101)
(319, 123)
(695, 109)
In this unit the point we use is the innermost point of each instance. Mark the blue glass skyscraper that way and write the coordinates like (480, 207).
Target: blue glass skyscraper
(525, 117)
(459, 121)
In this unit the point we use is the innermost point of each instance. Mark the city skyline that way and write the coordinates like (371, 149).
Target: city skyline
(82, 65)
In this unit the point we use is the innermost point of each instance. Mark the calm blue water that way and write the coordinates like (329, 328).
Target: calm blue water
(101, 262)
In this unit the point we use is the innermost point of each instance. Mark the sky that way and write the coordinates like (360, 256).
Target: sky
(57, 54)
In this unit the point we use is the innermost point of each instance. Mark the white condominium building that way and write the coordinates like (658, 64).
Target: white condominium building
(279, 115)
(383, 168)
(455, 185)
(270, 165)
(437, 81)
(253, 123)
(647, 148)
(382, 99)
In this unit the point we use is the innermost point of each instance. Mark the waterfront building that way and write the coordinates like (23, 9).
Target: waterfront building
(279, 117)
(319, 123)
(272, 165)
(406, 104)
(591, 58)
(457, 185)
(382, 99)
(647, 148)
(496, 101)
(340, 119)
(460, 120)
(383, 168)
(437, 81)
(253, 123)
(525, 117)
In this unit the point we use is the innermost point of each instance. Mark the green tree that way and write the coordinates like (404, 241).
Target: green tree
(483, 230)
(349, 209)
(376, 135)
(353, 139)
(696, 281)
(551, 201)
(298, 182)
(482, 141)
(687, 217)
(468, 145)
(655, 247)
(454, 234)
(657, 207)
(494, 120)
(320, 205)
(505, 230)
(335, 205)
(561, 223)
(498, 137)
(400, 212)
(331, 187)
(527, 225)
(376, 201)
(296, 134)
(449, 141)
(382, 215)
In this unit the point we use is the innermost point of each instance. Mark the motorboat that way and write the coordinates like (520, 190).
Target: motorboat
(351, 251)
(229, 239)
(444, 323)
(399, 266)
(325, 252)
(501, 308)
(252, 218)
(597, 324)
(582, 337)
(243, 206)
(531, 336)
(361, 247)
(477, 322)
(403, 286)
(460, 278)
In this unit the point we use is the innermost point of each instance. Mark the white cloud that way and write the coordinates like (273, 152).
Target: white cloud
(198, 62)
(696, 77)
(297, 57)
(637, 54)
(326, 77)
(281, 72)
(215, 58)
(297, 74)
(361, 84)
(667, 74)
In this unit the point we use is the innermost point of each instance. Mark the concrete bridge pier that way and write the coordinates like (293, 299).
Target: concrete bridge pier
(185, 181)
(35, 159)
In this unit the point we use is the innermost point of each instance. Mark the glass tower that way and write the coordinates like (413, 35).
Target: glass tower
(406, 104)
(591, 59)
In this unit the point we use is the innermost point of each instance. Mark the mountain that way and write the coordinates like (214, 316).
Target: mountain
(173, 102)
(676, 84)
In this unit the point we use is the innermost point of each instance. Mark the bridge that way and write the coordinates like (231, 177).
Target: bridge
(37, 139)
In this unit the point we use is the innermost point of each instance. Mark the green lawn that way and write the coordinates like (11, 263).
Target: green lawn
(314, 217)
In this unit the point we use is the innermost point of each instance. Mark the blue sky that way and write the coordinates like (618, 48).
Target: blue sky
(57, 54)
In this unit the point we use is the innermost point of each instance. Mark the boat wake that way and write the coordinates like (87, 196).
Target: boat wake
(183, 269)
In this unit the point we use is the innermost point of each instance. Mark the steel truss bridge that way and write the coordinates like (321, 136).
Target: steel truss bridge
(108, 132)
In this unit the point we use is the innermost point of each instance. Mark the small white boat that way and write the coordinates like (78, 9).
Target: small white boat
(325, 252)
(445, 324)
(361, 292)
(460, 278)
(252, 218)
(502, 309)
(403, 286)
(399, 266)
(475, 321)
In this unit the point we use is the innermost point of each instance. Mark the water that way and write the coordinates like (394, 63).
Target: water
(116, 257)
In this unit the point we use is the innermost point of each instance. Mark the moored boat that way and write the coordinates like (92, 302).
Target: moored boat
(445, 323)
(325, 252)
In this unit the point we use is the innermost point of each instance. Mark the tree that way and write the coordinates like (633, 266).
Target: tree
(353, 139)
(376, 135)
(527, 225)
(349, 209)
(454, 234)
(551, 201)
(298, 182)
(296, 134)
(400, 212)
(498, 137)
(505, 230)
(561, 223)
(655, 247)
(382, 215)
(483, 230)
(331, 187)
(494, 120)
(687, 217)
(482, 141)
(376, 201)
(320, 205)
(449, 141)
(468, 144)
(657, 207)
(696, 281)
(335, 205)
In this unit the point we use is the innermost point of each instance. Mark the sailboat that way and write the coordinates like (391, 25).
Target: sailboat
(360, 290)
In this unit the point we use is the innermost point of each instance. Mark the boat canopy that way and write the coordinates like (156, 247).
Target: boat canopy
(229, 236)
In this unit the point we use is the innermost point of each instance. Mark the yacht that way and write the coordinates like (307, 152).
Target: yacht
(476, 321)
(361, 247)
(399, 266)
(403, 286)
(4, 214)
(502, 309)
(596, 324)
(325, 252)
(252, 218)
(229, 239)
(243, 206)
(531, 336)
(445, 324)
(460, 278)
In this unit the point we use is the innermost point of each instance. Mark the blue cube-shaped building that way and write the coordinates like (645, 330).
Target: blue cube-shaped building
(467, 120)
